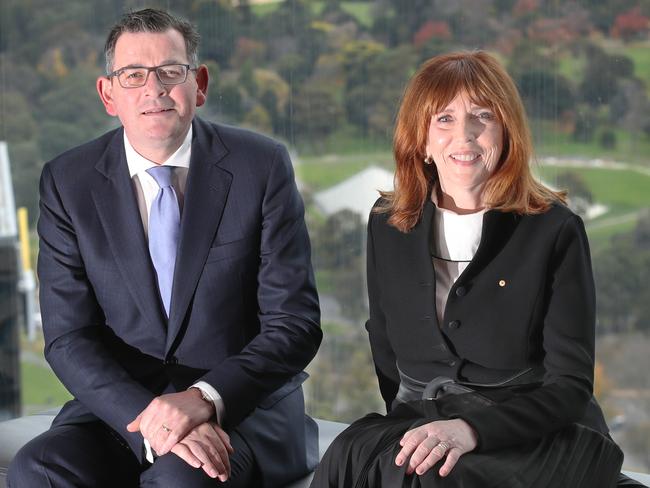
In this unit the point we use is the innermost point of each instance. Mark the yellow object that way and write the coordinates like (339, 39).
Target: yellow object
(23, 235)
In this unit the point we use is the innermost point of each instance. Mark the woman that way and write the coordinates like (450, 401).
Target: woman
(482, 306)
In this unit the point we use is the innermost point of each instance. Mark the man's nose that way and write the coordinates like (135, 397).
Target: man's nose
(153, 86)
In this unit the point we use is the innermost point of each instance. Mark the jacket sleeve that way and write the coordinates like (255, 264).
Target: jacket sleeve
(289, 313)
(568, 344)
(382, 352)
(74, 325)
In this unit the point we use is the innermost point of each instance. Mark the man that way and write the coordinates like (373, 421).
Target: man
(176, 288)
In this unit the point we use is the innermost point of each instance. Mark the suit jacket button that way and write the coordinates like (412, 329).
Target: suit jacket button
(451, 363)
(461, 291)
(454, 324)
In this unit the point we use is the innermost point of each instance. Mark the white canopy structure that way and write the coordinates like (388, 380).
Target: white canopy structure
(358, 193)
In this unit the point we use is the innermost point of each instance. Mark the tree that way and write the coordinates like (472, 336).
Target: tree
(642, 230)
(258, 118)
(339, 240)
(229, 102)
(630, 107)
(375, 79)
(218, 23)
(316, 114)
(332, 392)
(546, 95)
(247, 79)
(607, 139)
(70, 113)
(394, 25)
(585, 125)
(601, 75)
(631, 25)
(620, 273)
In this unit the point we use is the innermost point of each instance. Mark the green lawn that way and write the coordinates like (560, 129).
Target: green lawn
(550, 141)
(40, 388)
(320, 172)
(625, 190)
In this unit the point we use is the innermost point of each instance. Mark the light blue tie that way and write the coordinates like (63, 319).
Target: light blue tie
(164, 229)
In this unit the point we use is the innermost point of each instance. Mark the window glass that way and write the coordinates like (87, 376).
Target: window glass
(325, 77)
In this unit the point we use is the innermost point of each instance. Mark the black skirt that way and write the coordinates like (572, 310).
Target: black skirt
(363, 456)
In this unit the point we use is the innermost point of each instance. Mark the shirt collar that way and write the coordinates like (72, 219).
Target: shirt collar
(138, 164)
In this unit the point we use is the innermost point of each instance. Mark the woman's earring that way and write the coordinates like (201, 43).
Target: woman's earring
(428, 160)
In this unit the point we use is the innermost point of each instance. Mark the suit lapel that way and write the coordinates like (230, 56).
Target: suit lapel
(205, 197)
(118, 212)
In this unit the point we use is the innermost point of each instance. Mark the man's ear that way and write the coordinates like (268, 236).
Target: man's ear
(105, 90)
(202, 79)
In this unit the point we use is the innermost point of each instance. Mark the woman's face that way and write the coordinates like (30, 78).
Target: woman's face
(465, 141)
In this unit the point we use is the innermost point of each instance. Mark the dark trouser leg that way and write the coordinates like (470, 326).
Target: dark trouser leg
(170, 471)
(82, 455)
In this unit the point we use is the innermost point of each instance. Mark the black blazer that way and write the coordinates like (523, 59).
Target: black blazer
(244, 309)
(526, 300)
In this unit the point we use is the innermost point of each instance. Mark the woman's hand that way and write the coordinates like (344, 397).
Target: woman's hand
(429, 443)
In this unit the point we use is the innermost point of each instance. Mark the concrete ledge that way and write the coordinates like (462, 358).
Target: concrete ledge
(640, 477)
(15, 433)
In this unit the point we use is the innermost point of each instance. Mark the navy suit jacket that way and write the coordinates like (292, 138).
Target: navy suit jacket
(244, 309)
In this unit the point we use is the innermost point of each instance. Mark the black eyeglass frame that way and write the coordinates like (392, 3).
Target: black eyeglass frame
(155, 69)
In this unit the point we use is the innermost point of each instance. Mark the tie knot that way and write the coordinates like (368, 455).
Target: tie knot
(162, 175)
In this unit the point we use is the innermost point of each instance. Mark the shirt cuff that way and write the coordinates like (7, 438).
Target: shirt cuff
(148, 452)
(215, 398)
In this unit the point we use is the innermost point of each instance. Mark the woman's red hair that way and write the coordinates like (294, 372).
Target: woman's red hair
(512, 187)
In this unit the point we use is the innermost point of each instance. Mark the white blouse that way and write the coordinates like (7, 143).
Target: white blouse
(454, 243)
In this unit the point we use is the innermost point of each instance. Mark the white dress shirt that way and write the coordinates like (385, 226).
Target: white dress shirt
(146, 189)
(455, 241)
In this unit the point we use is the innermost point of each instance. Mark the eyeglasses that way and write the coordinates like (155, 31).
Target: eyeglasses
(168, 74)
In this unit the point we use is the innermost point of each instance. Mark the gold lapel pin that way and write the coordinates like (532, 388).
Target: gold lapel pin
(502, 283)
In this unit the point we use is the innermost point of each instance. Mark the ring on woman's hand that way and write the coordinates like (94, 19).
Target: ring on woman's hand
(445, 447)
(165, 428)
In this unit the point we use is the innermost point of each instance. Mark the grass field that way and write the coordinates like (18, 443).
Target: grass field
(320, 172)
(551, 141)
(625, 192)
(41, 389)
(621, 188)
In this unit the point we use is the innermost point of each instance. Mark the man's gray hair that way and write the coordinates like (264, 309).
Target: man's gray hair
(152, 20)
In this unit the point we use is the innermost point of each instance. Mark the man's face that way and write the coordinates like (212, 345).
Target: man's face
(156, 117)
